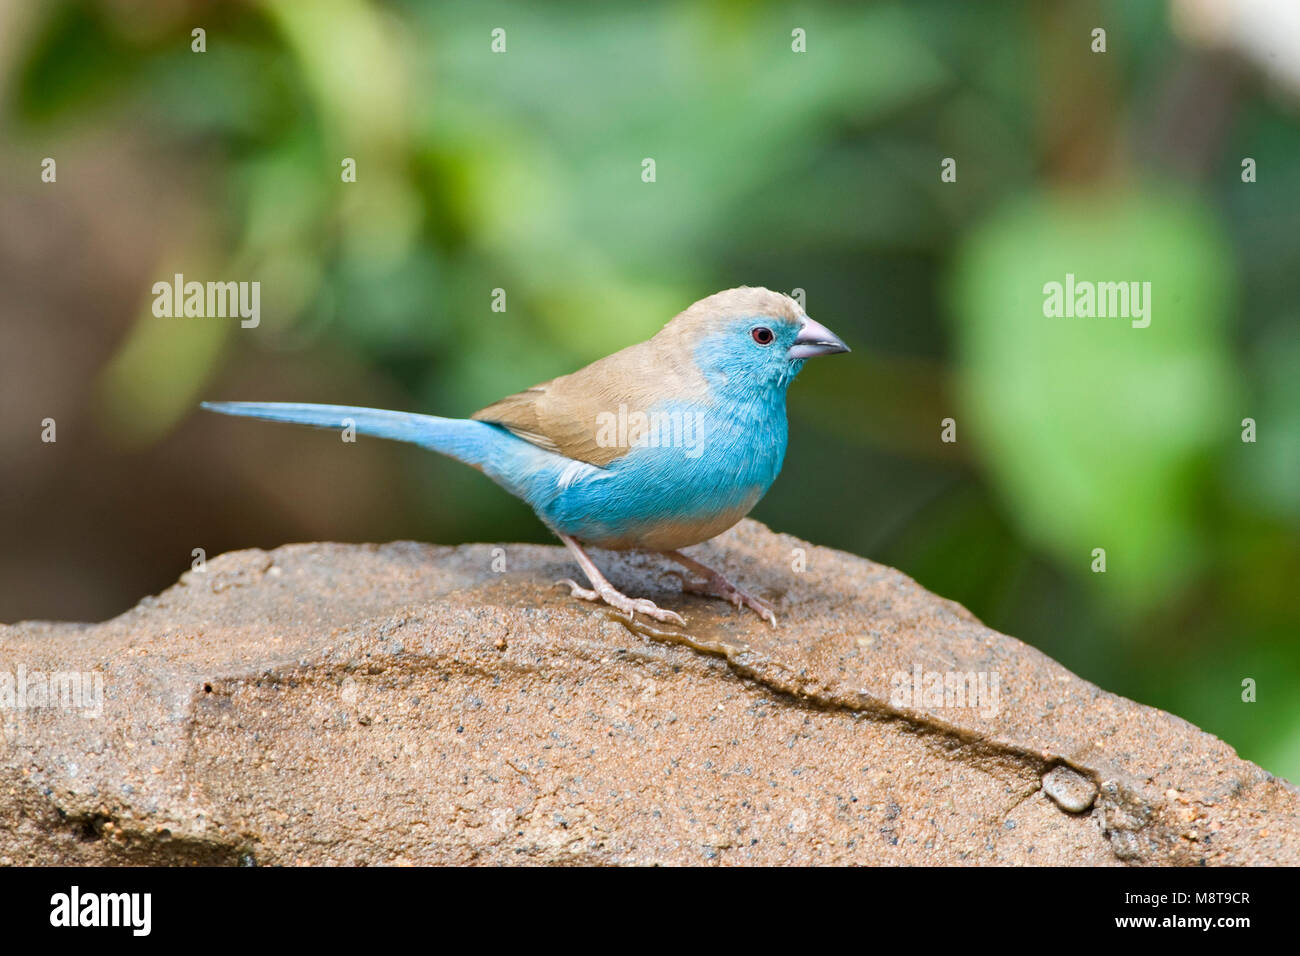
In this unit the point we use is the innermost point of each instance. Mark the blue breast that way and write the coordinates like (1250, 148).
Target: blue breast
(693, 467)
(697, 469)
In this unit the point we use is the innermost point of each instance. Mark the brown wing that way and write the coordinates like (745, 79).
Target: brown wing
(519, 414)
(563, 415)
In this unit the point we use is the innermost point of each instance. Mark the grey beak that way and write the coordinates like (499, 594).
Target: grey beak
(815, 339)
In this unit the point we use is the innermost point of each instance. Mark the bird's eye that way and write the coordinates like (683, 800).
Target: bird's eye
(762, 335)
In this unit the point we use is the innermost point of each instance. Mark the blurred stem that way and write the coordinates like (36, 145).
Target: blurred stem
(1076, 97)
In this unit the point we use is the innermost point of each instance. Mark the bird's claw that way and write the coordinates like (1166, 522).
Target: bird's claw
(757, 605)
(723, 589)
(577, 590)
(621, 602)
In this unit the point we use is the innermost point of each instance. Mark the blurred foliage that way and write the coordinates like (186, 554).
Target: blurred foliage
(819, 171)
(1097, 431)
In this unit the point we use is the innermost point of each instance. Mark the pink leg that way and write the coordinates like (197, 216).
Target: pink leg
(716, 585)
(604, 591)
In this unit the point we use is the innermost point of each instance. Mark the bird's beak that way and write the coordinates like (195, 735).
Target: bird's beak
(815, 339)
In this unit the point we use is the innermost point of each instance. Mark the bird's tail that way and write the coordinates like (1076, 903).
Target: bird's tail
(472, 442)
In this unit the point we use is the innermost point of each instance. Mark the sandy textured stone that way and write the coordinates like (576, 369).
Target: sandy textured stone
(404, 703)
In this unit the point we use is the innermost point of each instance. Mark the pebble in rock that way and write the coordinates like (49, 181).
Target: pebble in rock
(1069, 790)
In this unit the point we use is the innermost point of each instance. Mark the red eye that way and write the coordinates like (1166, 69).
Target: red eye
(762, 335)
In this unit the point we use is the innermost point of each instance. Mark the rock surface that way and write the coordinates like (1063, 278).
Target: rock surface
(404, 703)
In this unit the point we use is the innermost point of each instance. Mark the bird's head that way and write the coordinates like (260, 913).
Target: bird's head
(751, 337)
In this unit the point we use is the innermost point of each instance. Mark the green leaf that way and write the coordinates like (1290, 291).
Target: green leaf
(1093, 429)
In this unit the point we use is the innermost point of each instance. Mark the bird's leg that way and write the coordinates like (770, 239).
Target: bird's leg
(604, 591)
(716, 585)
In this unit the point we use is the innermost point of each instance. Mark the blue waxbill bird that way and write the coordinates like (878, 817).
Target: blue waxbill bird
(657, 447)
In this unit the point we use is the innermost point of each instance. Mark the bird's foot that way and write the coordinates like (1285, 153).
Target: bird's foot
(715, 585)
(727, 591)
(621, 602)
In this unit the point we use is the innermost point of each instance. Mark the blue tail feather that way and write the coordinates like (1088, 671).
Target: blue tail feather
(463, 439)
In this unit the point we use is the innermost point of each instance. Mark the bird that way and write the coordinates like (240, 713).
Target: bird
(657, 447)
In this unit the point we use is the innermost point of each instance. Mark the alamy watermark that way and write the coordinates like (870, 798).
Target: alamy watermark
(212, 300)
(658, 429)
(974, 690)
(1084, 299)
(24, 690)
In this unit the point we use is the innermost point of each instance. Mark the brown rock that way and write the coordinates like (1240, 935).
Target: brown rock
(403, 703)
